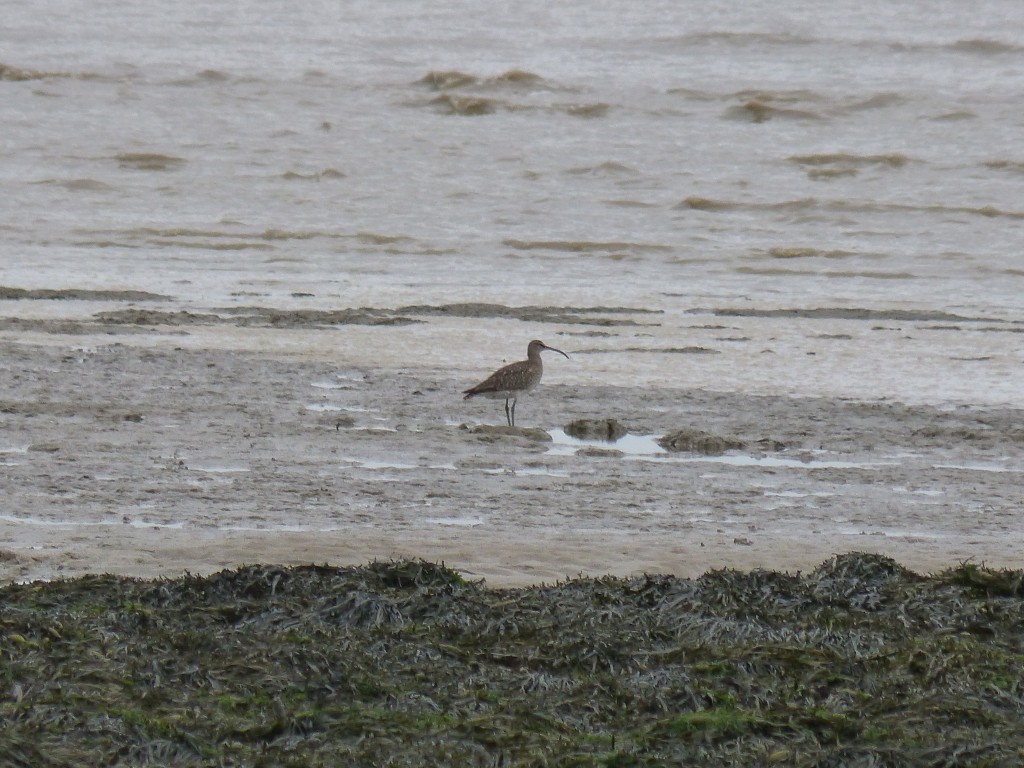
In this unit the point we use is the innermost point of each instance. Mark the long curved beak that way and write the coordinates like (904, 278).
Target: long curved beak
(558, 351)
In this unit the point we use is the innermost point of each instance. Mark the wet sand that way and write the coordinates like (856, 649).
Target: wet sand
(140, 450)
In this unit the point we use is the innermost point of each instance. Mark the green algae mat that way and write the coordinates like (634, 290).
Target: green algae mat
(858, 663)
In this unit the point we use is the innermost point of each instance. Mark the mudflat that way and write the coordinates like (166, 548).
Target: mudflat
(128, 455)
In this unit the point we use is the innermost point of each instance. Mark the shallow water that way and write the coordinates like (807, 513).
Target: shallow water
(646, 448)
(629, 444)
(690, 160)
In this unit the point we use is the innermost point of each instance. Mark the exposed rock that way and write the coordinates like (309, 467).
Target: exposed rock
(698, 441)
(609, 429)
(595, 452)
(490, 433)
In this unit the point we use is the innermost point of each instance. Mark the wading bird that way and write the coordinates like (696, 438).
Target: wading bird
(514, 379)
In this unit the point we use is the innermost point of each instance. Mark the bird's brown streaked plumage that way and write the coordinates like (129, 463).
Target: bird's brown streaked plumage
(514, 379)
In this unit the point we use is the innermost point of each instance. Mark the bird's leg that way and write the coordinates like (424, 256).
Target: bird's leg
(513, 412)
(508, 416)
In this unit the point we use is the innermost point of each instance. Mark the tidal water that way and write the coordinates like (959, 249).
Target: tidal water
(813, 201)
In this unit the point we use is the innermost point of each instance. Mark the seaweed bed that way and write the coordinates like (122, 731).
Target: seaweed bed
(858, 663)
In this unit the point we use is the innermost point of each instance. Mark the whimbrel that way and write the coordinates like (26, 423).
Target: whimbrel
(514, 379)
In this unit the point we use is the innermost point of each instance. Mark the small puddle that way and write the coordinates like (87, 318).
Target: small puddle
(978, 467)
(372, 464)
(893, 533)
(646, 448)
(535, 471)
(630, 445)
(136, 523)
(281, 528)
(346, 408)
(67, 523)
(466, 522)
(775, 462)
(329, 385)
(799, 494)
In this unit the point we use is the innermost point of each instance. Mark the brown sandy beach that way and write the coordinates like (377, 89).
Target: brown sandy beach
(136, 445)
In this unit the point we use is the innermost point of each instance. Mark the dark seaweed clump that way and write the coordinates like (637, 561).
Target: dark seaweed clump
(859, 663)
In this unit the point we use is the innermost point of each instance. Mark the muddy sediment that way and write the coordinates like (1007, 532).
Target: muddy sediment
(128, 320)
(130, 446)
(77, 294)
(165, 459)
